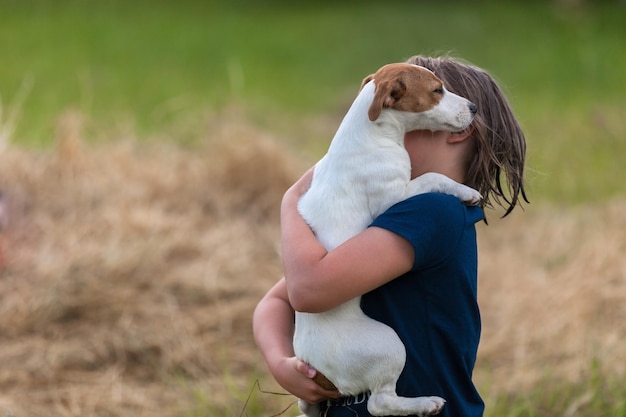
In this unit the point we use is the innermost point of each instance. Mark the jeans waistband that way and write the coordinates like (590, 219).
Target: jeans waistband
(349, 400)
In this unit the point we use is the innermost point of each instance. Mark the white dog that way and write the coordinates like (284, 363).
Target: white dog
(365, 171)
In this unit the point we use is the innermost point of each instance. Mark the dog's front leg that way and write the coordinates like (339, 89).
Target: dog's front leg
(438, 183)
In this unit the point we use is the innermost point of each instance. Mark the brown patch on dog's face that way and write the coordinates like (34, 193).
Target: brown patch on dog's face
(393, 81)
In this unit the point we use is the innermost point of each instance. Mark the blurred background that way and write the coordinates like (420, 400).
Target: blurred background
(145, 146)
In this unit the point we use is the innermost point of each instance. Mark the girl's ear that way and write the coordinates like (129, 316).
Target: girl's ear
(456, 137)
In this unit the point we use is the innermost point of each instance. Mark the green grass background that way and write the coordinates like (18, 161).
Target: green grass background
(162, 68)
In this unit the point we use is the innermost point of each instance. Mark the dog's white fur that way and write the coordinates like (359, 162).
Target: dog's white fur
(365, 171)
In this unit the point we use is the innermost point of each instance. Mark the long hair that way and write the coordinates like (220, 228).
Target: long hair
(500, 143)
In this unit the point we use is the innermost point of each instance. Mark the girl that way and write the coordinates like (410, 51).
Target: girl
(416, 265)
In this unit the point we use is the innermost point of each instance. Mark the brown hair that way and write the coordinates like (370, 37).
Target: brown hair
(500, 142)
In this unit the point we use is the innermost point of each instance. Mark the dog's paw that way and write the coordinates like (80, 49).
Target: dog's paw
(435, 406)
(388, 403)
(467, 195)
(473, 199)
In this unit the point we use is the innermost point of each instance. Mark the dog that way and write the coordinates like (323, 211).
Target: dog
(365, 171)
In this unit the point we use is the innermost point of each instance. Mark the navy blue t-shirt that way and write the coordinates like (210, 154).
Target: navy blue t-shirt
(433, 308)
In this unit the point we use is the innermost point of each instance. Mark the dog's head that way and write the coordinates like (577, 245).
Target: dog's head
(414, 89)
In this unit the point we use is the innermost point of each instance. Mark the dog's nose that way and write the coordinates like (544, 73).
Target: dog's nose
(473, 108)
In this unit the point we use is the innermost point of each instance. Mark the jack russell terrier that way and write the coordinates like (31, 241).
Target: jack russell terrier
(346, 194)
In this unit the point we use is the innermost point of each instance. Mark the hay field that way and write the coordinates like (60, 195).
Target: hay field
(129, 272)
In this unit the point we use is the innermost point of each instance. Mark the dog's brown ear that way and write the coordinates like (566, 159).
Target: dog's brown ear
(366, 80)
(386, 95)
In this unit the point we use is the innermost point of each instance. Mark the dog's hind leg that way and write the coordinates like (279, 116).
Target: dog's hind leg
(308, 409)
(387, 403)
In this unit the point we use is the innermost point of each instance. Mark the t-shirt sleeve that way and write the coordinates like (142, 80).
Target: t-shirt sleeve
(433, 224)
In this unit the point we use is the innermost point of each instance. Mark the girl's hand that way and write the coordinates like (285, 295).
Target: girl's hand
(296, 377)
(301, 186)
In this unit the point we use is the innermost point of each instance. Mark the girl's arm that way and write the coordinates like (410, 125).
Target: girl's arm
(273, 326)
(318, 280)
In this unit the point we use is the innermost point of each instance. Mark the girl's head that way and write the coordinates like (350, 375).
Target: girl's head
(500, 143)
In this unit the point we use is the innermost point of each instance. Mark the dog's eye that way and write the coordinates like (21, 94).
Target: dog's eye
(438, 91)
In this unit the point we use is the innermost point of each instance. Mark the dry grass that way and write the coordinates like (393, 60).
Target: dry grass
(129, 273)
(553, 295)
